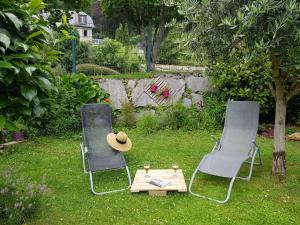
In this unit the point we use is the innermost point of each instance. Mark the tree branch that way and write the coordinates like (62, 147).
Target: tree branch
(272, 89)
(295, 89)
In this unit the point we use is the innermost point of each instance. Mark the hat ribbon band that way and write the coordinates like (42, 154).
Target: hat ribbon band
(120, 142)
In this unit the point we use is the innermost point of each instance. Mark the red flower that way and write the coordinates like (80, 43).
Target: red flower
(153, 88)
(107, 100)
(165, 93)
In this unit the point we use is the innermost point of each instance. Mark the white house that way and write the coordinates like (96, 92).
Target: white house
(84, 25)
(82, 22)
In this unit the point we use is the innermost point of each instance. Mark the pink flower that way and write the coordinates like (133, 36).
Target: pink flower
(165, 93)
(153, 88)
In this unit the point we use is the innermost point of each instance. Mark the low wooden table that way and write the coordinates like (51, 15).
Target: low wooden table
(141, 183)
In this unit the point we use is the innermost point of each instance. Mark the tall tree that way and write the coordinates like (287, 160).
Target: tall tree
(143, 14)
(268, 26)
(69, 4)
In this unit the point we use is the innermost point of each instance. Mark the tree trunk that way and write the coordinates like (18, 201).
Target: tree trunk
(279, 162)
(159, 36)
(144, 41)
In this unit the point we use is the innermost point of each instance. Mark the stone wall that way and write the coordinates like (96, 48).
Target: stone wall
(189, 89)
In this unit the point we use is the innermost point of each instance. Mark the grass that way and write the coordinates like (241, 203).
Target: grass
(141, 75)
(262, 201)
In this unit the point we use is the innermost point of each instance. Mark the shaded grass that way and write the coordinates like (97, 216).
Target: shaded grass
(262, 201)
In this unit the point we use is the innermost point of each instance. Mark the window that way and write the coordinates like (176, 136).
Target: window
(82, 19)
(85, 33)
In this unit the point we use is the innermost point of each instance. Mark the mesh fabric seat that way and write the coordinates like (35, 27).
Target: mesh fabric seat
(236, 146)
(96, 124)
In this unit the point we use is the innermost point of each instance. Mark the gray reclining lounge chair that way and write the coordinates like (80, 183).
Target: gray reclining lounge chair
(96, 123)
(237, 145)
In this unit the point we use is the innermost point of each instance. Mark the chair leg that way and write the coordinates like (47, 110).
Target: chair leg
(206, 197)
(251, 165)
(112, 191)
(83, 158)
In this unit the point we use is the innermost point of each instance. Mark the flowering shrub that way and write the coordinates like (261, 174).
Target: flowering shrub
(19, 200)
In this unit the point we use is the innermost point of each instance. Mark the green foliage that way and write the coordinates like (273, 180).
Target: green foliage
(265, 27)
(86, 91)
(115, 55)
(158, 15)
(179, 117)
(93, 69)
(243, 77)
(147, 123)
(122, 34)
(83, 53)
(26, 50)
(69, 4)
(127, 117)
(174, 50)
(19, 199)
(63, 116)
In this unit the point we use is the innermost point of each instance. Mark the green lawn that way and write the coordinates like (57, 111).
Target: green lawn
(262, 201)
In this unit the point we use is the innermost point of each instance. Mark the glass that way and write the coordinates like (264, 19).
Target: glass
(175, 168)
(146, 168)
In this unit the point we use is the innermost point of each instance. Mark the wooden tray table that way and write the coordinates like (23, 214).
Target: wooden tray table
(141, 183)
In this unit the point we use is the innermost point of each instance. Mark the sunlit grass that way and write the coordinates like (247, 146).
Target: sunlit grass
(261, 201)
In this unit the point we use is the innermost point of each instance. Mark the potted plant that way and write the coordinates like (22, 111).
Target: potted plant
(20, 132)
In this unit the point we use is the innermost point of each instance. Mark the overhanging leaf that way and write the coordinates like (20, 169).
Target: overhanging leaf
(6, 65)
(37, 33)
(22, 45)
(18, 23)
(4, 38)
(29, 92)
(43, 83)
(38, 111)
(36, 5)
(2, 122)
(30, 69)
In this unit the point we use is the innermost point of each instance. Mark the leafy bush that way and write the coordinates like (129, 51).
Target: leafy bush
(174, 50)
(93, 69)
(127, 117)
(83, 53)
(114, 54)
(26, 51)
(122, 34)
(179, 117)
(240, 77)
(19, 200)
(147, 123)
(63, 116)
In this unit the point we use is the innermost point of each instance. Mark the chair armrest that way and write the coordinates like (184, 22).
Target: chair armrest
(217, 143)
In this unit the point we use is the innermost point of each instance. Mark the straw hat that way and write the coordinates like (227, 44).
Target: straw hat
(119, 141)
